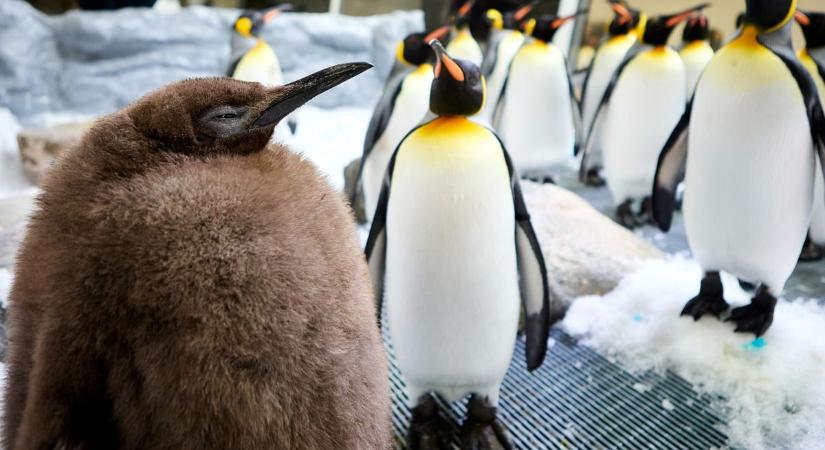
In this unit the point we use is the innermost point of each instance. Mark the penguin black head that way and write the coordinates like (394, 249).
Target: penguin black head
(625, 18)
(226, 116)
(740, 20)
(697, 28)
(813, 27)
(462, 16)
(458, 87)
(545, 27)
(251, 22)
(658, 30)
(415, 49)
(510, 20)
(769, 15)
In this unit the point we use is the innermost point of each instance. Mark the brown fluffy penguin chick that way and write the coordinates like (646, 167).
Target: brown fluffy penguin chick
(186, 285)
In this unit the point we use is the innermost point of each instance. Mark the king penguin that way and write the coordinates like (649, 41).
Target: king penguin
(462, 43)
(452, 252)
(813, 58)
(538, 114)
(401, 108)
(747, 147)
(696, 51)
(252, 59)
(643, 102)
(168, 296)
(623, 32)
(505, 40)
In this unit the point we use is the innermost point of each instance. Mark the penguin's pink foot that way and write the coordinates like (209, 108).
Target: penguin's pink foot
(481, 429)
(594, 178)
(428, 430)
(710, 299)
(757, 317)
(811, 252)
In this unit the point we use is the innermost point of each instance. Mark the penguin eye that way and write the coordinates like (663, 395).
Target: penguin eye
(227, 116)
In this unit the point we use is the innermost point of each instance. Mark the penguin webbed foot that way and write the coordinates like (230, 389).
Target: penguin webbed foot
(541, 179)
(811, 252)
(710, 299)
(481, 429)
(756, 317)
(428, 430)
(625, 215)
(594, 178)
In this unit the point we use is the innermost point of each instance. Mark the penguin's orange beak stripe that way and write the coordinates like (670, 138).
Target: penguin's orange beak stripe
(465, 8)
(676, 20)
(438, 33)
(624, 14)
(523, 11)
(802, 18)
(452, 68)
(562, 20)
(271, 15)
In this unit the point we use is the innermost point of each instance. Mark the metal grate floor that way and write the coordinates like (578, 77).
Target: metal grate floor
(580, 400)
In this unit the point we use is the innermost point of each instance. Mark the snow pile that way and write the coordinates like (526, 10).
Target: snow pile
(771, 388)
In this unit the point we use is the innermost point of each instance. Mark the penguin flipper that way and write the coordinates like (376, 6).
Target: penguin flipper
(576, 112)
(488, 64)
(533, 282)
(378, 123)
(601, 111)
(376, 248)
(670, 171)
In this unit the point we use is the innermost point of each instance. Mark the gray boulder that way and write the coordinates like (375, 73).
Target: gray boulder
(585, 251)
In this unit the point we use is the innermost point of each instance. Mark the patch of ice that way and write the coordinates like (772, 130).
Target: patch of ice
(773, 393)
(668, 405)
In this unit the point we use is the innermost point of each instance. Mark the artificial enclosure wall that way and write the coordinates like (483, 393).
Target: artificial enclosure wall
(92, 63)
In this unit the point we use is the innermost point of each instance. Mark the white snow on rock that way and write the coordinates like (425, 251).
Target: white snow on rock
(773, 387)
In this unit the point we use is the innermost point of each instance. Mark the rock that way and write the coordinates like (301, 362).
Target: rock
(350, 172)
(39, 147)
(585, 251)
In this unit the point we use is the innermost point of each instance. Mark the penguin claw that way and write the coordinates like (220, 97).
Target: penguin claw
(751, 319)
(476, 435)
(757, 317)
(704, 304)
(428, 430)
(594, 179)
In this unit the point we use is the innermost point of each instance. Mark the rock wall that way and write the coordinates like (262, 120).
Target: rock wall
(91, 63)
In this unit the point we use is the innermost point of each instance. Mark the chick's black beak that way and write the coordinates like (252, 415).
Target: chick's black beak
(289, 97)
(444, 61)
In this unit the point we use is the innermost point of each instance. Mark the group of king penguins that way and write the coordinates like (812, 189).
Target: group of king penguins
(451, 249)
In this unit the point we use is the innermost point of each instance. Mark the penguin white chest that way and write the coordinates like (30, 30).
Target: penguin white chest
(750, 167)
(607, 60)
(648, 101)
(410, 107)
(464, 46)
(451, 283)
(536, 122)
(696, 56)
(259, 64)
(507, 49)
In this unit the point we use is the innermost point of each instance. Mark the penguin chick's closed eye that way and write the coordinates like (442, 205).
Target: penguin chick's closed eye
(185, 284)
